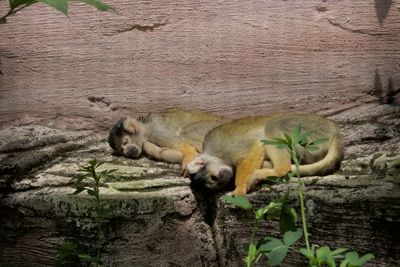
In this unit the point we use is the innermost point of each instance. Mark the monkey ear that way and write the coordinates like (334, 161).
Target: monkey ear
(196, 164)
(131, 125)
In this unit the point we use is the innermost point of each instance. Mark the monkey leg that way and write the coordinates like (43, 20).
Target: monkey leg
(163, 154)
(281, 165)
(252, 161)
(188, 152)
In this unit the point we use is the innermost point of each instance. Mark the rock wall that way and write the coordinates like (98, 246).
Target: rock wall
(231, 58)
(63, 81)
(160, 221)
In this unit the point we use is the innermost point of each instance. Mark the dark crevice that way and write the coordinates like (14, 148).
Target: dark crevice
(138, 27)
(359, 31)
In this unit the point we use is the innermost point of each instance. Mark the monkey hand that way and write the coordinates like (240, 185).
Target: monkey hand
(185, 162)
(239, 191)
(189, 152)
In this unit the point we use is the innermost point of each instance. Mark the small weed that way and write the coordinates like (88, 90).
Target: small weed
(100, 214)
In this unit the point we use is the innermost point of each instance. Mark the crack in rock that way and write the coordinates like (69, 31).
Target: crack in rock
(359, 31)
(138, 27)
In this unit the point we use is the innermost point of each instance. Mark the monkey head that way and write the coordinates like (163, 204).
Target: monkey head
(127, 137)
(210, 173)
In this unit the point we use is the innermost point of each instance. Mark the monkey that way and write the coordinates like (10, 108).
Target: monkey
(234, 151)
(173, 136)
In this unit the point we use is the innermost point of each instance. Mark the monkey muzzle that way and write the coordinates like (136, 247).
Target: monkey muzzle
(132, 151)
(204, 181)
(209, 173)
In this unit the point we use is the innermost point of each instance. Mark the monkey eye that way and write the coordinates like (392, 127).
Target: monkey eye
(128, 132)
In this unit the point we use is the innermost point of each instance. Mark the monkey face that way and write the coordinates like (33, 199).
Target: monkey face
(127, 137)
(210, 173)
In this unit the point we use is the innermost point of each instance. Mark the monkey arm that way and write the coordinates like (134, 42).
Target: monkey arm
(163, 154)
(281, 165)
(245, 168)
(189, 152)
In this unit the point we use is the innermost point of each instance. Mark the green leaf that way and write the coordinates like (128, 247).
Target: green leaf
(319, 141)
(291, 237)
(17, 3)
(323, 251)
(78, 190)
(281, 140)
(60, 5)
(99, 163)
(274, 179)
(303, 142)
(309, 254)
(325, 254)
(84, 257)
(312, 148)
(282, 146)
(99, 5)
(68, 245)
(354, 260)
(287, 220)
(79, 178)
(277, 255)
(339, 251)
(296, 134)
(85, 169)
(93, 163)
(239, 201)
(289, 139)
(344, 263)
(107, 172)
(271, 142)
(252, 252)
(365, 258)
(352, 257)
(268, 244)
(304, 138)
(273, 209)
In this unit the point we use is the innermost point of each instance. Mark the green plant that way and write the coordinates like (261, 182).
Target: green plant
(274, 249)
(68, 254)
(90, 181)
(101, 214)
(60, 5)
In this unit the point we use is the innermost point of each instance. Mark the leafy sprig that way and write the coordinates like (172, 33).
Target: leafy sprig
(60, 5)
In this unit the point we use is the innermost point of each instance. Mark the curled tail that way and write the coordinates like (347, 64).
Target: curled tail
(327, 165)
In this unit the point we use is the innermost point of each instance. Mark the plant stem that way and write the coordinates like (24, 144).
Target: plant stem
(301, 196)
(10, 12)
(253, 235)
(99, 222)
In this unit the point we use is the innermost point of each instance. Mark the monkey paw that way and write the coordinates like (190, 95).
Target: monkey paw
(239, 191)
(185, 162)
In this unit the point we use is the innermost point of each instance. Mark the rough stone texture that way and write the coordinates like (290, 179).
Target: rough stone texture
(159, 221)
(61, 74)
(258, 56)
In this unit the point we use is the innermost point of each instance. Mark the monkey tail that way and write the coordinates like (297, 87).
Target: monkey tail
(327, 165)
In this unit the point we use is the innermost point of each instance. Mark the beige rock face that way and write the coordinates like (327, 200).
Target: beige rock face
(160, 221)
(231, 58)
(64, 81)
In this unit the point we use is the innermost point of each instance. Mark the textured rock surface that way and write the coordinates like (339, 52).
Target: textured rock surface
(160, 222)
(262, 56)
